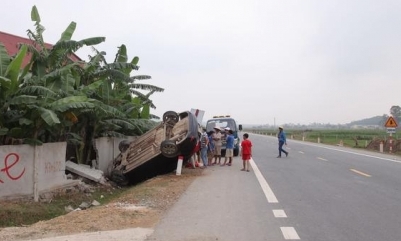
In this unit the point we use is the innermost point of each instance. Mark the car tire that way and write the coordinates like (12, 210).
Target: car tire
(169, 148)
(123, 145)
(170, 116)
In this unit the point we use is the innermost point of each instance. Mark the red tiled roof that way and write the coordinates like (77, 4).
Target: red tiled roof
(11, 43)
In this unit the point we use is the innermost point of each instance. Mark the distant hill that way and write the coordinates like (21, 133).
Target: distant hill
(372, 122)
(376, 120)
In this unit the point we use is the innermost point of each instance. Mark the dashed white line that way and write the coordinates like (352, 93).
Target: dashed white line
(279, 213)
(289, 233)
(271, 198)
(352, 152)
(321, 158)
(360, 173)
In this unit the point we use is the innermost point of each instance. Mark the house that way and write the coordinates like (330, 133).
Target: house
(11, 43)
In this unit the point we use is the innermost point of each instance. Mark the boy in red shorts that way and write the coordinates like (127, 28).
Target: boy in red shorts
(246, 152)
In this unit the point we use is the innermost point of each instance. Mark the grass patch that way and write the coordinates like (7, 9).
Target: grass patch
(27, 212)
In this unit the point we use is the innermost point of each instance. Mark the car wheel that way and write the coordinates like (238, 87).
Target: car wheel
(123, 145)
(169, 148)
(170, 116)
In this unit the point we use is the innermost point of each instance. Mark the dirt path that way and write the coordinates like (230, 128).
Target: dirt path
(138, 209)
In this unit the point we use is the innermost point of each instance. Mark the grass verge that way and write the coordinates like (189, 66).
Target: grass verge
(26, 212)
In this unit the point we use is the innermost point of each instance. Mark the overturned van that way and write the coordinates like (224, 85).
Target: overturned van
(156, 151)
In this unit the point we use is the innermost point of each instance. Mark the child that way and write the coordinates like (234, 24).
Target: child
(246, 152)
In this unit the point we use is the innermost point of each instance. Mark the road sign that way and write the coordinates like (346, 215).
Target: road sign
(391, 122)
(198, 114)
(391, 130)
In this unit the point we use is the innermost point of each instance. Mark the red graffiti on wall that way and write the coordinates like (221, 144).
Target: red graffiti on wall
(14, 158)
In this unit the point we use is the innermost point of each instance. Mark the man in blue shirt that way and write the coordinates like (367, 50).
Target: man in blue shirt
(229, 148)
(281, 141)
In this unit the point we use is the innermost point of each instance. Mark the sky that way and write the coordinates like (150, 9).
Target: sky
(261, 61)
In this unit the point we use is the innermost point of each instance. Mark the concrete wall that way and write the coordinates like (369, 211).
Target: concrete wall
(108, 149)
(27, 171)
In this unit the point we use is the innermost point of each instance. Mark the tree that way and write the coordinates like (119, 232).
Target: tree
(59, 97)
(12, 102)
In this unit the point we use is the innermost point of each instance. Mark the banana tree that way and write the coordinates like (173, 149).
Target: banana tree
(54, 77)
(13, 104)
(140, 102)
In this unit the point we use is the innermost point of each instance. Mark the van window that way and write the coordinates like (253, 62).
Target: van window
(222, 123)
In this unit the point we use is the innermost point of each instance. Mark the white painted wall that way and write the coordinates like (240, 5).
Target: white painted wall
(26, 170)
(16, 170)
(108, 149)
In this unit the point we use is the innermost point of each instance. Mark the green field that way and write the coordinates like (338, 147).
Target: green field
(348, 137)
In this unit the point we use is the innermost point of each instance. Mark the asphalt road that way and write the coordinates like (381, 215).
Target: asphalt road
(334, 193)
(317, 193)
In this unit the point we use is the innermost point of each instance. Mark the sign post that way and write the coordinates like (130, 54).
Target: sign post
(199, 115)
(391, 124)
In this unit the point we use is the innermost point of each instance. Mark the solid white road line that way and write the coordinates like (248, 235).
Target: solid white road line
(271, 198)
(279, 213)
(289, 233)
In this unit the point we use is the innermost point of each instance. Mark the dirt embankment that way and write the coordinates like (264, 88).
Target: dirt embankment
(140, 206)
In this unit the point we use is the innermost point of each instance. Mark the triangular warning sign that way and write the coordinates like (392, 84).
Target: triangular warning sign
(391, 122)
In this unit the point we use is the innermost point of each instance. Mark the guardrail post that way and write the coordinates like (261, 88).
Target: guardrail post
(179, 165)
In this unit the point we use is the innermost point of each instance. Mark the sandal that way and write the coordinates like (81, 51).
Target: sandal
(242, 169)
(247, 170)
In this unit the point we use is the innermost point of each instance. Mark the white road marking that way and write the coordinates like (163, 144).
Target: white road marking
(355, 153)
(289, 233)
(360, 173)
(271, 198)
(320, 158)
(301, 152)
(279, 213)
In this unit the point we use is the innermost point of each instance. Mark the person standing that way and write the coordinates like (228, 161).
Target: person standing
(217, 145)
(246, 152)
(210, 148)
(282, 140)
(204, 142)
(229, 148)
